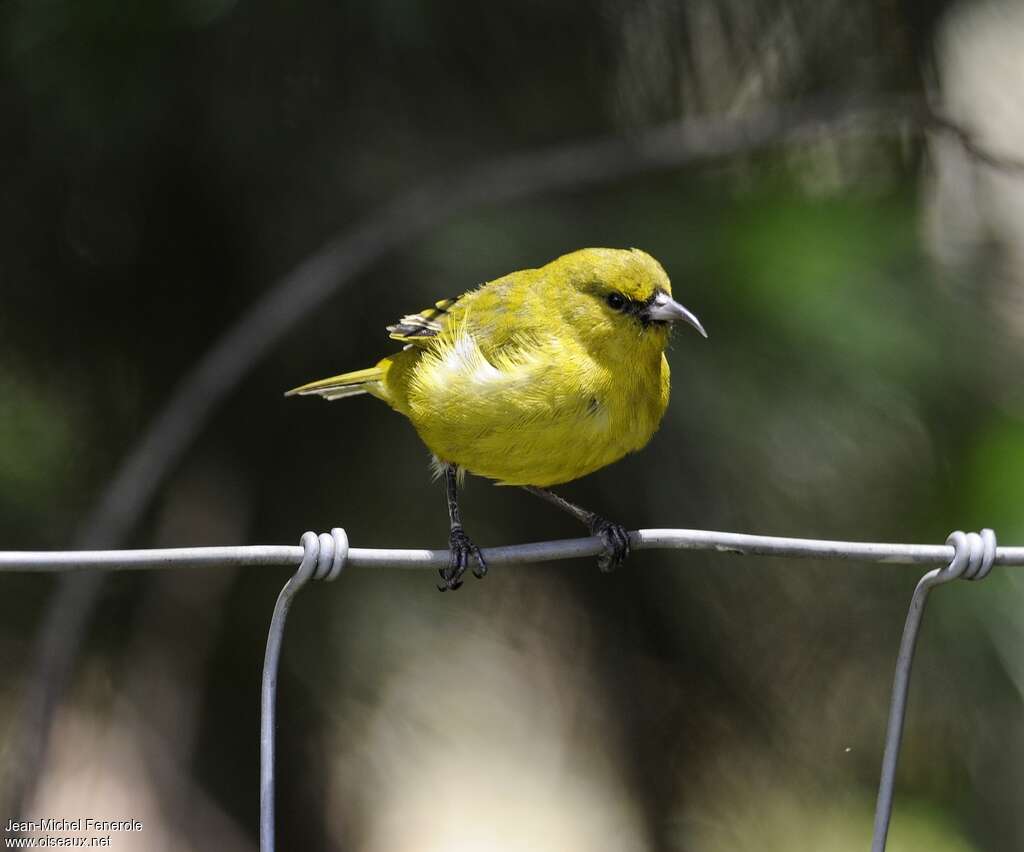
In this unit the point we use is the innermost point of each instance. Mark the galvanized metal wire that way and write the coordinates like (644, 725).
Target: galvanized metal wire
(322, 557)
(547, 551)
(973, 558)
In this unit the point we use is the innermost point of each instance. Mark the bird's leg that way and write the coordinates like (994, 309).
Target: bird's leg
(460, 546)
(614, 536)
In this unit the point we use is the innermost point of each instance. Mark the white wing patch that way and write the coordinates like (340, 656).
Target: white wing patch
(466, 359)
(456, 372)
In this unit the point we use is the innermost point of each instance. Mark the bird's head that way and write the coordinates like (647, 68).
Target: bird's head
(617, 295)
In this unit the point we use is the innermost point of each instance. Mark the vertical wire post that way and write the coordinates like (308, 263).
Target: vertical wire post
(323, 557)
(973, 556)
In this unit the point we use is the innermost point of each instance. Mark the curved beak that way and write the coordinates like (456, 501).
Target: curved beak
(665, 309)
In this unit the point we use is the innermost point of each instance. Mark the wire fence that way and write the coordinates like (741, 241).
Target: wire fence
(969, 556)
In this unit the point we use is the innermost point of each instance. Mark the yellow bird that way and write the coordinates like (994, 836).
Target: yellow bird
(533, 379)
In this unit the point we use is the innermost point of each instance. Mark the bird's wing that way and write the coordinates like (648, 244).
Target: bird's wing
(420, 327)
(499, 314)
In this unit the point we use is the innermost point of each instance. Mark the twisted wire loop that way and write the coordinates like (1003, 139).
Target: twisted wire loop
(323, 558)
(973, 558)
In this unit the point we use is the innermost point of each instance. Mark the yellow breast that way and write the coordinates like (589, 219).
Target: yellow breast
(541, 412)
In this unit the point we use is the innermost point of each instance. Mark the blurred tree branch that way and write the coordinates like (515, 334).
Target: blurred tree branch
(974, 149)
(563, 168)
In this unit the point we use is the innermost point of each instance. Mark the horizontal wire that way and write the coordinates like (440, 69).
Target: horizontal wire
(545, 551)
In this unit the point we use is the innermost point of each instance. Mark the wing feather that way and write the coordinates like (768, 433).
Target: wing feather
(423, 325)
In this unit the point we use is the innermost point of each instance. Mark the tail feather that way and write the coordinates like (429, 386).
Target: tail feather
(347, 384)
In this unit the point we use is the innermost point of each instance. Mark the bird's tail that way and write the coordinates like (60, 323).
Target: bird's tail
(370, 380)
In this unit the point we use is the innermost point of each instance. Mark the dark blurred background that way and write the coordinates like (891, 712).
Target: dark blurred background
(165, 164)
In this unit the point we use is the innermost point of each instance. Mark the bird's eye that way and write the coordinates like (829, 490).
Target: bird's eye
(616, 301)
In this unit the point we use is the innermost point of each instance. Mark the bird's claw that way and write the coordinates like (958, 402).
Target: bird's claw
(461, 548)
(616, 543)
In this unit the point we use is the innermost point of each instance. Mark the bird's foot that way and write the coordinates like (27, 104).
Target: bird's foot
(616, 543)
(461, 549)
